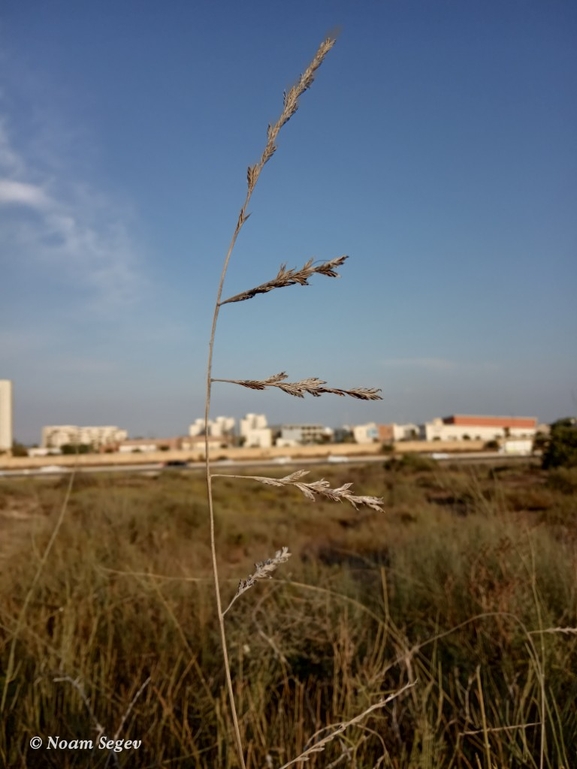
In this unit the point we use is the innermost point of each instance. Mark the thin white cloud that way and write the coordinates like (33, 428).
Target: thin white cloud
(64, 225)
(19, 193)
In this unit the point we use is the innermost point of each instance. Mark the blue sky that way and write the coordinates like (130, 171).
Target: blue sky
(436, 148)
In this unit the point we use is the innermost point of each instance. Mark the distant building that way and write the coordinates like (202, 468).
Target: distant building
(256, 433)
(484, 428)
(147, 444)
(253, 422)
(406, 432)
(393, 432)
(368, 433)
(56, 436)
(38, 452)
(6, 437)
(298, 435)
(217, 428)
(518, 447)
(343, 434)
(197, 442)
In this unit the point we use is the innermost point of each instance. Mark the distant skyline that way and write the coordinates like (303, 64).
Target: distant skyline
(436, 148)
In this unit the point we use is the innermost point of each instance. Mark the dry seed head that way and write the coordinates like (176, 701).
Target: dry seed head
(290, 106)
(321, 488)
(292, 277)
(264, 570)
(311, 386)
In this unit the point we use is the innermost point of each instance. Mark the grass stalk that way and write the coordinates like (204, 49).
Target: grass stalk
(290, 106)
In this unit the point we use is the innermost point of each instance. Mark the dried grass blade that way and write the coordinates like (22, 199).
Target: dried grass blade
(319, 746)
(311, 386)
(310, 490)
(292, 277)
(263, 570)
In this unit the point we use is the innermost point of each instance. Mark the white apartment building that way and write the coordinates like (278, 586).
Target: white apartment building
(256, 433)
(253, 422)
(217, 428)
(296, 435)
(368, 433)
(56, 436)
(6, 436)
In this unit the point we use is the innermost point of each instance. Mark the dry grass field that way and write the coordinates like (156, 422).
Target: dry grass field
(466, 588)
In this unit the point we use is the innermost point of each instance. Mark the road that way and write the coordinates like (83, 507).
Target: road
(289, 462)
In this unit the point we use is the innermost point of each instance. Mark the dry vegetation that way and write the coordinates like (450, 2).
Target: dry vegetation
(466, 588)
(442, 634)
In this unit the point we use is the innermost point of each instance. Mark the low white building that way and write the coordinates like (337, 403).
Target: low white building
(520, 447)
(368, 433)
(461, 427)
(298, 435)
(56, 436)
(260, 437)
(130, 447)
(406, 432)
(38, 452)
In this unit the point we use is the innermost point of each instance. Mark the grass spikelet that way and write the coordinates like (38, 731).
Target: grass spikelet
(311, 386)
(316, 488)
(292, 277)
(290, 106)
(264, 570)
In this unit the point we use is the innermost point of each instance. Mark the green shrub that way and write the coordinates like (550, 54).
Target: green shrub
(561, 449)
(412, 463)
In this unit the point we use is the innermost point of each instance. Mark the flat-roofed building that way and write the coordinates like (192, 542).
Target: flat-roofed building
(255, 431)
(56, 436)
(198, 442)
(6, 437)
(368, 433)
(252, 422)
(460, 427)
(297, 435)
(148, 444)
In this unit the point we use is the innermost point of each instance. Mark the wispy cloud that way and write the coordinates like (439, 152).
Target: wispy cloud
(64, 225)
(19, 193)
